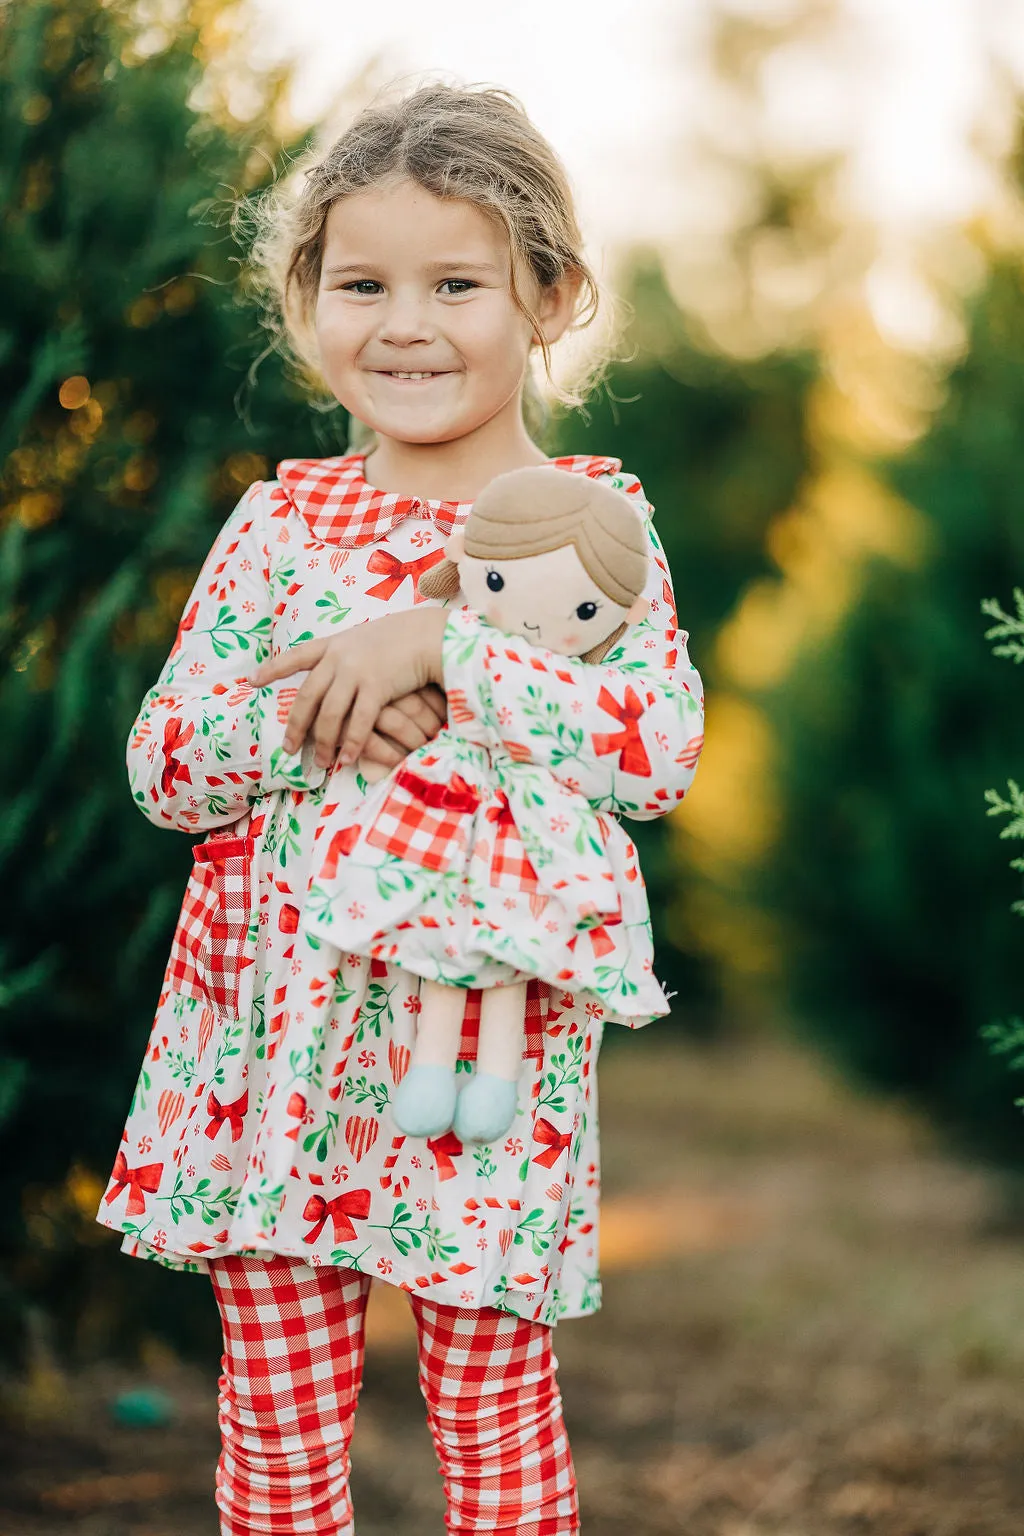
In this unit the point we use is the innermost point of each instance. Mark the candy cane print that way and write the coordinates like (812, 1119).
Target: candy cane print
(491, 1203)
(398, 1185)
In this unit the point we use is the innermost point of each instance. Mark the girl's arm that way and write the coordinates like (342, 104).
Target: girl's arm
(626, 732)
(206, 742)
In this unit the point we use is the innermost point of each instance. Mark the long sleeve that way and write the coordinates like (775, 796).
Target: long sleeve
(206, 742)
(626, 733)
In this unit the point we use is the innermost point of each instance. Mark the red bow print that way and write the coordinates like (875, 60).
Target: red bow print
(500, 812)
(231, 1113)
(139, 1182)
(554, 1143)
(600, 938)
(176, 736)
(342, 843)
(628, 742)
(444, 1149)
(355, 1202)
(383, 563)
(456, 795)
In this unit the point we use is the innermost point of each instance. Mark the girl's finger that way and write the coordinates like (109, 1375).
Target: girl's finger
(400, 727)
(419, 711)
(305, 706)
(334, 706)
(436, 700)
(379, 750)
(365, 708)
(298, 658)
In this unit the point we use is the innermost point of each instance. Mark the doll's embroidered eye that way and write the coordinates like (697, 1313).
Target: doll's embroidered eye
(495, 580)
(586, 611)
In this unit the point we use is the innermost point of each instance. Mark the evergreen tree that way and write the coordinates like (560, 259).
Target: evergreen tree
(720, 448)
(129, 432)
(890, 899)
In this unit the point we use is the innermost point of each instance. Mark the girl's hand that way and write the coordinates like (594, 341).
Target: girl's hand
(404, 725)
(352, 676)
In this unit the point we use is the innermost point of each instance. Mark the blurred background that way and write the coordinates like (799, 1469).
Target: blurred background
(812, 213)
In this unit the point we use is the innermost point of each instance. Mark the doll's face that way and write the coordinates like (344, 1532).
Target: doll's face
(548, 599)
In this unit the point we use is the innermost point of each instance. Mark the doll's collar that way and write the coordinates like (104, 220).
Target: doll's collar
(339, 507)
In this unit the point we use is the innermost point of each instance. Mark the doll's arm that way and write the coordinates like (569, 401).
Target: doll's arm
(626, 732)
(206, 742)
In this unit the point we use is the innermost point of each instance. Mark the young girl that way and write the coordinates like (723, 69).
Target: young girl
(432, 249)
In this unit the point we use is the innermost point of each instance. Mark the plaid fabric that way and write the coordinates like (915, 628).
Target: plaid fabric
(339, 507)
(495, 1414)
(293, 1355)
(292, 1367)
(510, 867)
(410, 827)
(207, 954)
(537, 996)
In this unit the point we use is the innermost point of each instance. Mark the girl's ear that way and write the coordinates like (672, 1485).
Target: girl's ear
(638, 611)
(557, 306)
(456, 545)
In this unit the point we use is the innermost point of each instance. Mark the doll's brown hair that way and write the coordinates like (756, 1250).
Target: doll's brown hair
(472, 143)
(534, 510)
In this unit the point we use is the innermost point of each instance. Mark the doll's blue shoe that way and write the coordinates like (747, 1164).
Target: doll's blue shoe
(424, 1101)
(486, 1108)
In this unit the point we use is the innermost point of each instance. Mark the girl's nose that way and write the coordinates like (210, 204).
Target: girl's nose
(403, 322)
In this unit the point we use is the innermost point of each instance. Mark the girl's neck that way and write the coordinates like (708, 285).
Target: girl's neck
(454, 471)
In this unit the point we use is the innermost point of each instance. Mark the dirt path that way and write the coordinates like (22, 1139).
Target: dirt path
(825, 1337)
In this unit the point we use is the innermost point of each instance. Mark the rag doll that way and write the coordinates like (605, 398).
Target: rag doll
(472, 867)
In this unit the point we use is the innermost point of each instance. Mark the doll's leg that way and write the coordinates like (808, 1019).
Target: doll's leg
(495, 1414)
(487, 1104)
(424, 1101)
(292, 1367)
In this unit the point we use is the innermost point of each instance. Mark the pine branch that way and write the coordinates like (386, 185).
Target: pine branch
(1008, 627)
(1005, 1038)
(1014, 808)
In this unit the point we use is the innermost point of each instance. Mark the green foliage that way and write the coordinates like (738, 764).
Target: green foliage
(720, 447)
(889, 898)
(117, 274)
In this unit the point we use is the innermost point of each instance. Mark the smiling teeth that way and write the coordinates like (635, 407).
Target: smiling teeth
(396, 375)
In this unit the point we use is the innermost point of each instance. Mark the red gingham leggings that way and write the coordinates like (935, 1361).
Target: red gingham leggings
(293, 1364)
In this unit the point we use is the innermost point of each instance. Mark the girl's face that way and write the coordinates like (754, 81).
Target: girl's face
(418, 333)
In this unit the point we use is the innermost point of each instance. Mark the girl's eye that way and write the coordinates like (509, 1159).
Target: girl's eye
(495, 580)
(586, 611)
(362, 285)
(457, 285)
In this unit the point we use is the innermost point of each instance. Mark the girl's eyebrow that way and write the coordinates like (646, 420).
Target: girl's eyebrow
(452, 265)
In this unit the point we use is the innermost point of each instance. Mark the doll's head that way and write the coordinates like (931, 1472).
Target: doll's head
(556, 557)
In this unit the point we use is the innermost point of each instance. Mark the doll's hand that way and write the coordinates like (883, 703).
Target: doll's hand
(353, 676)
(402, 727)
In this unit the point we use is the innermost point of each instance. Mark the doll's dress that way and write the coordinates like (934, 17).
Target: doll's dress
(470, 868)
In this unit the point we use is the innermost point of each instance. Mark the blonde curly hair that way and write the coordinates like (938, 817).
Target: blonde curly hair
(474, 143)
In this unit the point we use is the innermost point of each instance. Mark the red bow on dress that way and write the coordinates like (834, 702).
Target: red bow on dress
(628, 742)
(355, 1202)
(176, 735)
(233, 1114)
(139, 1182)
(554, 1143)
(456, 795)
(383, 563)
(444, 1149)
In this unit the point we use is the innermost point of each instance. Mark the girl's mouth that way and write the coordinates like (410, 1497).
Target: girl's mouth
(411, 378)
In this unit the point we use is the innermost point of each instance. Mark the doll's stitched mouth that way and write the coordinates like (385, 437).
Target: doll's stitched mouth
(531, 626)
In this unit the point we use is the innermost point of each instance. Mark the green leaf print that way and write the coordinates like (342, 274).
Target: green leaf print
(565, 1072)
(322, 1140)
(184, 1069)
(349, 1260)
(230, 1044)
(486, 1168)
(335, 612)
(212, 1206)
(266, 1202)
(142, 1086)
(290, 843)
(406, 1236)
(539, 1233)
(545, 719)
(376, 1008)
(227, 634)
(361, 1089)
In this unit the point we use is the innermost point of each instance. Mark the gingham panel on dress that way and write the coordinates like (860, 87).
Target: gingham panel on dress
(510, 866)
(495, 1415)
(339, 507)
(293, 1359)
(186, 966)
(230, 859)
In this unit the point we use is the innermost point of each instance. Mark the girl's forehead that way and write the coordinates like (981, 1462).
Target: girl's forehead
(404, 219)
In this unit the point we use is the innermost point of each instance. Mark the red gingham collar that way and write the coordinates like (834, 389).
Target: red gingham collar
(338, 506)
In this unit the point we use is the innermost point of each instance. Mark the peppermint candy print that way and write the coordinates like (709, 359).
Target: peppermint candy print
(261, 1116)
